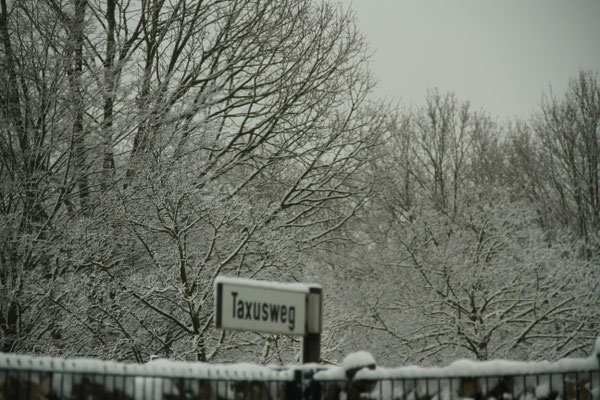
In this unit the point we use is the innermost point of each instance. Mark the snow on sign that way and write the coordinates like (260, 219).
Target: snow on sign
(269, 307)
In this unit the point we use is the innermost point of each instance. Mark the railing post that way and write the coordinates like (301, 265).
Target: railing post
(293, 389)
(311, 342)
(311, 387)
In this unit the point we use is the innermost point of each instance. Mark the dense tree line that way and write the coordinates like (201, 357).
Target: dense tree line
(483, 237)
(148, 146)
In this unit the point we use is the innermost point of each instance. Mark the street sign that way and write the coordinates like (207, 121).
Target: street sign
(269, 307)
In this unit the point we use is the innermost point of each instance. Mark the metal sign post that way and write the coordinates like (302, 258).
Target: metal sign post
(272, 307)
(311, 343)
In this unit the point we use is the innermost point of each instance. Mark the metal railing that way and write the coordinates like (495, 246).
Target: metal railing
(23, 377)
(582, 385)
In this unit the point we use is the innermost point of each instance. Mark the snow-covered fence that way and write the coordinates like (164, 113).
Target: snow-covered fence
(23, 377)
(358, 377)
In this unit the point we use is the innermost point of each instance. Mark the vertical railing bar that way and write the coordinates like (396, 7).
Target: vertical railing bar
(28, 385)
(17, 384)
(51, 379)
(104, 384)
(92, 382)
(347, 388)
(152, 387)
(124, 395)
(416, 387)
(18, 379)
(591, 389)
(133, 389)
(486, 379)
(564, 385)
(249, 384)
(208, 387)
(73, 385)
(281, 388)
(62, 382)
(269, 385)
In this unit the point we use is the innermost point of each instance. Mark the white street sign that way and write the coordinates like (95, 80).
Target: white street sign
(270, 307)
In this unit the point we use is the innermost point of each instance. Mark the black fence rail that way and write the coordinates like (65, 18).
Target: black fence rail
(23, 377)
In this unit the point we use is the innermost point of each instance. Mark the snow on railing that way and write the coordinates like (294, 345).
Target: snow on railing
(358, 377)
(25, 377)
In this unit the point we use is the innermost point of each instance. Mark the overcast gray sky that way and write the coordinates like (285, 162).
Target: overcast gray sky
(502, 55)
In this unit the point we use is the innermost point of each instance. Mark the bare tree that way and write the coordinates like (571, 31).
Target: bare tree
(469, 274)
(568, 130)
(37, 153)
(205, 138)
(484, 285)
